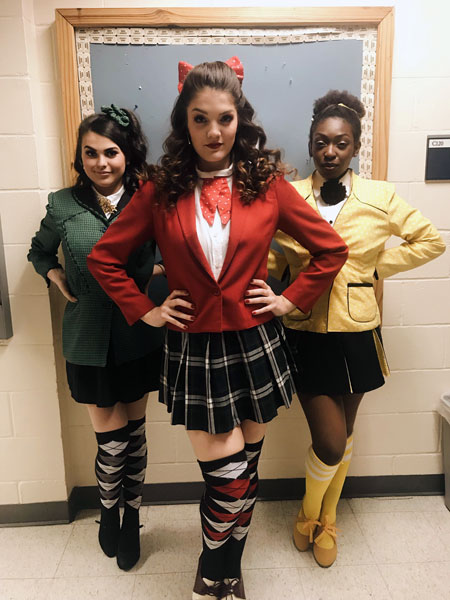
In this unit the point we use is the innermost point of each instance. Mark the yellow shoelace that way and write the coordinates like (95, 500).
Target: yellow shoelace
(327, 528)
(309, 526)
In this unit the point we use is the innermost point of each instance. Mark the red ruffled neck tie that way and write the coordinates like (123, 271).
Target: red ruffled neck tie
(215, 195)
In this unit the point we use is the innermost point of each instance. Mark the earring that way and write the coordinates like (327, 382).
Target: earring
(189, 139)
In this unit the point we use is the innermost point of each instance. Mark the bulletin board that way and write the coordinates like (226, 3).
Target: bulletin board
(94, 41)
(280, 77)
(160, 28)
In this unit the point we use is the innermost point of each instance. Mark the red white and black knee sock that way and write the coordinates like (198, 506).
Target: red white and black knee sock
(227, 483)
(110, 465)
(135, 465)
(235, 546)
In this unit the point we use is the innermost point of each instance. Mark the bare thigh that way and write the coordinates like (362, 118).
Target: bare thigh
(209, 446)
(117, 416)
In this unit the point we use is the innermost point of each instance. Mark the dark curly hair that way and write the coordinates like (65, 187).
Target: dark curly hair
(341, 104)
(254, 165)
(130, 140)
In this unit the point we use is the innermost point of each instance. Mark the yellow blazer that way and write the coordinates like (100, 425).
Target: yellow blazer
(372, 213)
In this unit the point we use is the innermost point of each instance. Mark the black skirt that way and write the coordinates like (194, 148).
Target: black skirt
(105, 386)
(214, 381)
(338, 363)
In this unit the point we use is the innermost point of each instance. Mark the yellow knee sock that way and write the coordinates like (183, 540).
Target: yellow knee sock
(318, 478)
(333, 493)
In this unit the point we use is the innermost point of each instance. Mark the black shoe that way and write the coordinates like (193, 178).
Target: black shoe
(203, 589)
(108, 533)
(233, 589)
(129, 549)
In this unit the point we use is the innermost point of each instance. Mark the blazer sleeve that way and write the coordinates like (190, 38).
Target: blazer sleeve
(422, 240)
(328, 250)
(43, 253)
(108, 259)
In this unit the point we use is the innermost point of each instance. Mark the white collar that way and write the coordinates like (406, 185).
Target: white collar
(113, 198)
(210, 174)
(117, 195)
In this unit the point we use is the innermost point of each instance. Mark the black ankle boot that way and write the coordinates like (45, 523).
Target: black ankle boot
(129, 549)
(108, 534)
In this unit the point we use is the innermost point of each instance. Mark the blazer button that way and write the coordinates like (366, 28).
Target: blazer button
(216, 292)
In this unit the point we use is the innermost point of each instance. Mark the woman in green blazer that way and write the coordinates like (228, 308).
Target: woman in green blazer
(337, 345)
(110, 366)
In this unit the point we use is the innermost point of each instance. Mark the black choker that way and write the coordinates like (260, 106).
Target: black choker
(333, 191)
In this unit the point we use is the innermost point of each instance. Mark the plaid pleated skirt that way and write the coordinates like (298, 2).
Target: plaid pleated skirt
(214, 381)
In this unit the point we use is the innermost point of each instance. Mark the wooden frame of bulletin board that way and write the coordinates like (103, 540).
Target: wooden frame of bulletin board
(381, 18)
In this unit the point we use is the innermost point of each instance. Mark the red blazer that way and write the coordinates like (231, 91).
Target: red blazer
(219, 305)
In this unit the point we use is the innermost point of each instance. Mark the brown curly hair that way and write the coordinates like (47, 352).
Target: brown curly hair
(254, 165)
(340, 104)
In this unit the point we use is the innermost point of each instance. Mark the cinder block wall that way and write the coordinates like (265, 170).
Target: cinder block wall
(46, 443)
(31, 452)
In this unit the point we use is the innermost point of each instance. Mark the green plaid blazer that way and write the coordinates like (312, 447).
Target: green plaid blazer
(93, 326)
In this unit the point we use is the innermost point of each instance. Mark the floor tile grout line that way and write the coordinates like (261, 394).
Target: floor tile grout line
(134, 585)
(388, 589)
(302, 583)
(365, 540)
(64, 549)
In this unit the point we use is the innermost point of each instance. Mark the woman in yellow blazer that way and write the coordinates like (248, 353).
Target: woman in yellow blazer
(337, 345)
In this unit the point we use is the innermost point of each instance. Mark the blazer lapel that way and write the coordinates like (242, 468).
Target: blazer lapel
(309, 194)
(186, 215)
(239, 213)
(125, 198)
(88, 200)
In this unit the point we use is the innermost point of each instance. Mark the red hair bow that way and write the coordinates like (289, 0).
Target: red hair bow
(233, 62)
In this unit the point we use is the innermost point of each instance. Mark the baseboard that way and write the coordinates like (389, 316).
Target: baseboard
(35, 513)
(190, 492)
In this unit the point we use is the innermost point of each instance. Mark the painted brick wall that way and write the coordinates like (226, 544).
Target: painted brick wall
(32, 463)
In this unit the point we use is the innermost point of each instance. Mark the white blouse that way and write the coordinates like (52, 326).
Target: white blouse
(213, 239)
(330, 212)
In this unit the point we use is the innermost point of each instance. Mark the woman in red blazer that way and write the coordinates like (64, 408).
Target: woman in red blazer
(213, 206)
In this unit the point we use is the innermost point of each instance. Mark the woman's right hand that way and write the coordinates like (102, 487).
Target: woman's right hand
(58, 276)
(168, 313)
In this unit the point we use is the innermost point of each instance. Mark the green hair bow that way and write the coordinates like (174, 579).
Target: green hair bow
(116, 114)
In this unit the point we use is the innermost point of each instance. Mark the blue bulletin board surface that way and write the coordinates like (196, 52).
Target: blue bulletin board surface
(281, 81)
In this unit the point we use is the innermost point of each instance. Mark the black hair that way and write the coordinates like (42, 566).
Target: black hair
(340, 104)
(131, 140)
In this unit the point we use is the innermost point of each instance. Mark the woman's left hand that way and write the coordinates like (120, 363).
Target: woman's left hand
(263, 294)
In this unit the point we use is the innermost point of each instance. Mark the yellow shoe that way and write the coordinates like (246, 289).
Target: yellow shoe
(304, 531)
(325, 547)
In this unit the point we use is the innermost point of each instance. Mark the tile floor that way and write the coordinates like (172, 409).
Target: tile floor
(389, 549)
